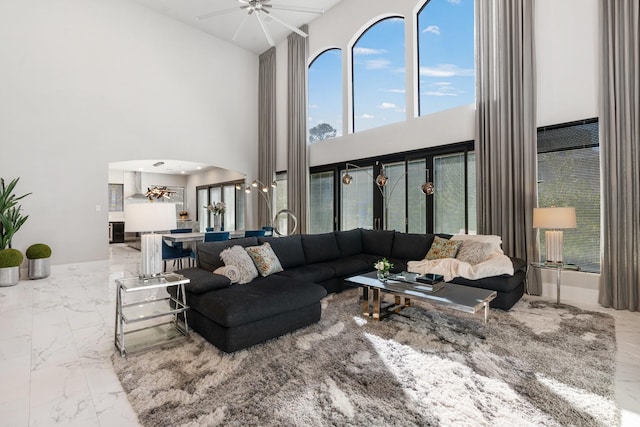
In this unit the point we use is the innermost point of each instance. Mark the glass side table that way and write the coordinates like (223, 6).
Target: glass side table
(150, 312)
(559, 268)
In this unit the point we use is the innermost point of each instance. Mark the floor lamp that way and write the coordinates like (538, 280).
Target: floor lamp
(554, 220)
(147, 218)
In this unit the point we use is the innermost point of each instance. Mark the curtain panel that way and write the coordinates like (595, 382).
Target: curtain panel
(506, 127)
(620, 153)
(266, 129)
(297, 156)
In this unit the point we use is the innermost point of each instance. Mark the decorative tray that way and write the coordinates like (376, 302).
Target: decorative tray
(427, 282)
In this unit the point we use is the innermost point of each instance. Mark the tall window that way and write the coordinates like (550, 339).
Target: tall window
(356, 200)
(416, 200)
(454, 197)
(378, 59)
(321, 206)
(445, 55)
(325, 96)
(232, 197)
(569, 175)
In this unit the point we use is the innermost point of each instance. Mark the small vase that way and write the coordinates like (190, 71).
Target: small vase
(217, 226)
(383, 275)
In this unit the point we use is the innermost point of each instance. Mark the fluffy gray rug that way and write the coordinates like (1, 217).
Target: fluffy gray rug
(539, 364)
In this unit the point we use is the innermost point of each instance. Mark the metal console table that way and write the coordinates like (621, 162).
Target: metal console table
(559, 268)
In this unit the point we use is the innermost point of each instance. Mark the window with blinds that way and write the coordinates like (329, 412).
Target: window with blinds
(569, 175)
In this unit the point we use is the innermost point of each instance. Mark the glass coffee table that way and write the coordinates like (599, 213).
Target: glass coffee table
(462, 298)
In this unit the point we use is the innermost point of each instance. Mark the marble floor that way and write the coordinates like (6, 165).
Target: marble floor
(56, 344)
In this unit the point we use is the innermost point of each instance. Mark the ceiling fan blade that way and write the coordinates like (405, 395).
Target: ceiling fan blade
(289, 26)
(264, 30)
(217, 13)
(298, 9)
(235, 35)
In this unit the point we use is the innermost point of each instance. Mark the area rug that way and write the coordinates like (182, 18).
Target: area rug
(540, 364)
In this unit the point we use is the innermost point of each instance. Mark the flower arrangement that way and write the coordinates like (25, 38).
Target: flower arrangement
(383, 267)
(217, 208)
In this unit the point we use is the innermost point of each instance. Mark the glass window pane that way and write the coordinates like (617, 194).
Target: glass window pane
(325, 96)
(379, 75)
(417, 215)
(569, 175)
(356, 200)
(241, 200)
(116, 197)
(203, 215)
(215, 196)
(229, 217)
(321, 202)
(395, 199)
(449, 199)
(446, 55)
(472, 206)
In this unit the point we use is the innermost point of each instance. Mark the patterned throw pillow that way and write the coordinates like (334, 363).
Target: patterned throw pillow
(265, 259)
(238, 257)
(443, 248)
(474, 252)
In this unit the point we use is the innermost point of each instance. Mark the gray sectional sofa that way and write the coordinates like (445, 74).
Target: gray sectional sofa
(233, 317)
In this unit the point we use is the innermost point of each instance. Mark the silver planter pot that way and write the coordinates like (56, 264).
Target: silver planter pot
(9, 276)
(39, 268)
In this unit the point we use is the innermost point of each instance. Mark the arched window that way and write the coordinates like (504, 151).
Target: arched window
(325, 96)
(378, 59)
(445, 55)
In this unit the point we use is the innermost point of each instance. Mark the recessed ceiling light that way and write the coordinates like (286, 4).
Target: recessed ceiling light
(199, 167)
(158, 164)
(181, 171)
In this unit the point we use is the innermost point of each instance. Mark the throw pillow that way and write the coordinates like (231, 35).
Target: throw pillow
(474, 252)
(443, 248)
(265, 259)
(494, 241)
(238, 257)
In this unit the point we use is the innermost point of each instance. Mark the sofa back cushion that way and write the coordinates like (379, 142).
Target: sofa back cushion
(377, 242)
(288, 250)
(349, 242)
(320, 247)
(209, 252)
(411, 246)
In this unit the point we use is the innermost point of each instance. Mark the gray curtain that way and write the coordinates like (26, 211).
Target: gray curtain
(297, 159)
(266, 129)
(620, 153)
(506, 127)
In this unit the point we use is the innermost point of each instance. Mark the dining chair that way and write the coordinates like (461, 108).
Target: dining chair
(257, 233)
(172, 253)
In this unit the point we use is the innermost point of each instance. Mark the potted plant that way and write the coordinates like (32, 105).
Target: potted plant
(39, 265)
(10, 260)
(11, 219)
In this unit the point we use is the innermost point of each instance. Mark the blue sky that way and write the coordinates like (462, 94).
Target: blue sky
(446, 49)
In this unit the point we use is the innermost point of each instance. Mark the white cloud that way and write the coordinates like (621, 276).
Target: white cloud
(365, 116)
(432, 29)
(313, 106)
(446, 70)
(387, 106)
(367, 51)
(441, 84)
(454, 1)
(395, 91)
(436, 93)
(377, 64)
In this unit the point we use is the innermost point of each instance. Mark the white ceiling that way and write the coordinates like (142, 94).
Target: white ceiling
(172, 167)
(251, 37)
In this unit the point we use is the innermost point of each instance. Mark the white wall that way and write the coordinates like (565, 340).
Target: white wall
(567, 76)
(88, 82)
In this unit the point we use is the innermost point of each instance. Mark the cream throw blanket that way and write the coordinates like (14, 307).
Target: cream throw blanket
(496, 263)
(230, 271)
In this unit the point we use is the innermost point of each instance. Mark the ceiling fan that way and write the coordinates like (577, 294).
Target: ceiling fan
(262, 10)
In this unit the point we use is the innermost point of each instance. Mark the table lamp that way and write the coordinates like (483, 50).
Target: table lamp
(554, 219)
(147, 218)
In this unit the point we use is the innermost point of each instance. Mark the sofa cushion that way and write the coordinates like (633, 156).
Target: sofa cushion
(238, 257)
(349, 242)
(310, 273)
(320, 247)
(411, 246)
(265, 259)
(474, 252)
(203, 281)
(264, 297)
(208, 253)
(348, 266)
(377, 242)
(288, 250)
(443, 248)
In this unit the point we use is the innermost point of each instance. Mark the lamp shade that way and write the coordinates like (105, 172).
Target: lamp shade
(554, 218)
(141, 217)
